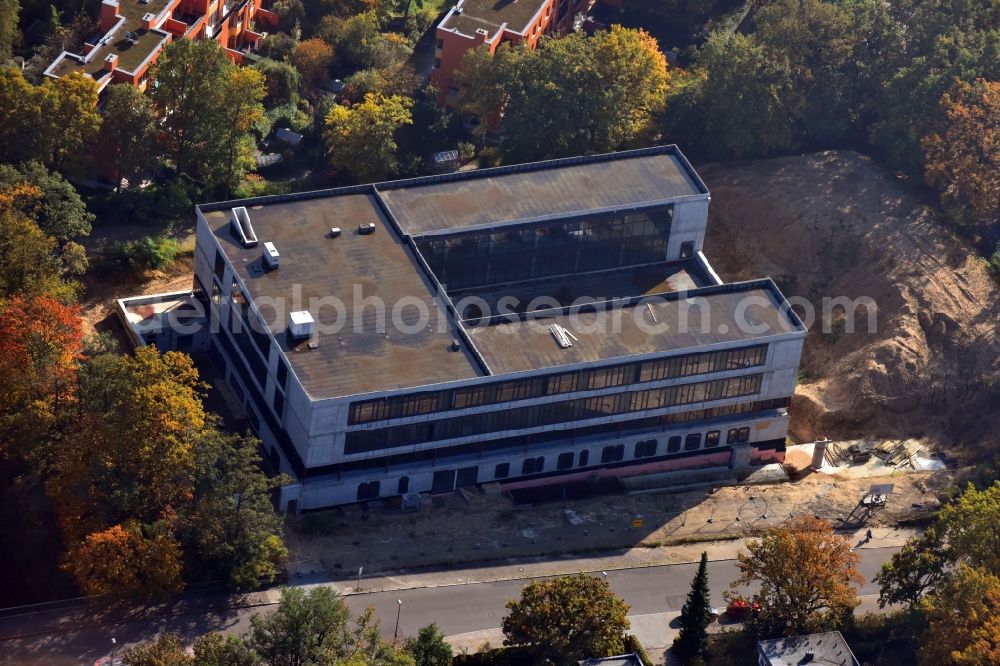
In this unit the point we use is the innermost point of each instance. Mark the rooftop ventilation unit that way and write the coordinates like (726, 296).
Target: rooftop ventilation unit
(300, 325)
(562, 336)
(335, 232)
(270, 256)
(365, 229)
(239, 222)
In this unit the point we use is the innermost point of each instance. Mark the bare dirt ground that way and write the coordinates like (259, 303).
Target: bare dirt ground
(836, 224)
(102, 288)
(461, 528)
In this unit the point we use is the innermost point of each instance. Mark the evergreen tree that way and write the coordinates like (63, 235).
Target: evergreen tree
(695, 617)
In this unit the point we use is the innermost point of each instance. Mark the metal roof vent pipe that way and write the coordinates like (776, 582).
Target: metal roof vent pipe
(270, 256)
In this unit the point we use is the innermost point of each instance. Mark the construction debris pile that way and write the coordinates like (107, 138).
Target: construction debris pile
(896, 453)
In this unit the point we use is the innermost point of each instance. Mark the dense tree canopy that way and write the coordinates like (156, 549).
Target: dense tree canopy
(361, 139)
(315, 627)
(963, 157)
(567, 619)
(572, 95)
(128, 134)
(53, 123)
(963, 620)
(59, 211)
(207, 108)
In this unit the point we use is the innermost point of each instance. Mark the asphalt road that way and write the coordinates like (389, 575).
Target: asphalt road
(456, 609)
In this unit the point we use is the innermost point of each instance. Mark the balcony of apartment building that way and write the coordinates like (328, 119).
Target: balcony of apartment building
(186, 24)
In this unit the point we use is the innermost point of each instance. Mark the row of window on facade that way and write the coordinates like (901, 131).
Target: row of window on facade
(635, 372)
(610, 454)
(551, 413)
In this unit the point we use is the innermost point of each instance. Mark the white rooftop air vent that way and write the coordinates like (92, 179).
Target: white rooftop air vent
(335, 232)
(271, 256)
(368, 228)
(562, 335)
(239, 222)
(300, 325)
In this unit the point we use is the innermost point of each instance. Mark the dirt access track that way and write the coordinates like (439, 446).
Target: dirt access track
(836, 224)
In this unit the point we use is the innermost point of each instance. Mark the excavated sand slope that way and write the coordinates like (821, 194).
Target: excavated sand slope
(837, 224)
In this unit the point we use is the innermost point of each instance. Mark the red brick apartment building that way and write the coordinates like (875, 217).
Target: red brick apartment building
(132, 33)
(493, 22)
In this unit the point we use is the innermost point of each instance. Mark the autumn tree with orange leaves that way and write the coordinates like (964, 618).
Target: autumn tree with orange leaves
(313, 58)
(40, 344)
(963, 160)
(805, 572)
(129, 462)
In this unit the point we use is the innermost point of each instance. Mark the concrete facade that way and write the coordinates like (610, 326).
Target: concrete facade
(721, 401)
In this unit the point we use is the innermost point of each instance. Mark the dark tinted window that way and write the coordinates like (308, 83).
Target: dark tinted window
(712, 439)
(584, 458)
(744, 435)
(674, 444)
(645, 449)
(692, 441)
(403, 486)
(613, 453)
(502, 471)
(565, 460)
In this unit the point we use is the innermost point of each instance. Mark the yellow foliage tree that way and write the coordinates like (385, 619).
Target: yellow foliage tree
(963, 620)
(361, 139)
(132, 455)
(805, 572)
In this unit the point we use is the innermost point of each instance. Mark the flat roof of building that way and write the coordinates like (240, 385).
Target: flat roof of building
(736, 312)
(826, 649)
(130, 54)
(497, 196)
(490, 15)
(364, 356)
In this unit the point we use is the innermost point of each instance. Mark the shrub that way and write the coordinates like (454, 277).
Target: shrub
(995, 262)
(466, 151)
(157, 252)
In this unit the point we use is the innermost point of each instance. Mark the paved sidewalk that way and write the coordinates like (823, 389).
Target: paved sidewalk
(882, 537)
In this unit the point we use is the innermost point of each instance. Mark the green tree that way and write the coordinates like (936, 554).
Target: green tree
(233, 526)
(31, 265)
(166, 650)
(281, 81)
(969, 527)
(59, 211)
(215, 649)
(70, 121)
(207, 107)
(548, 98)
(52, 123)
(566, 619)
(10, 36)
(918, 567)
(361, 139)
(429, 648)
(692, 641)
(746, 100)
(128, 133)
(241, 109)
(315, 627)
(805, 572)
